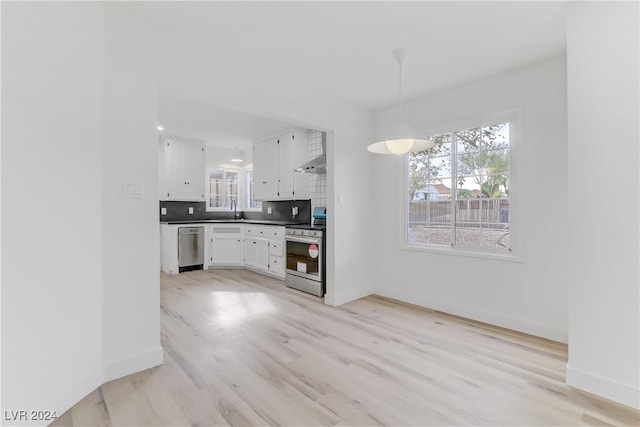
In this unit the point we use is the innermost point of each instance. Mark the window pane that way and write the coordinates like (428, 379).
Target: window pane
(470, 207)
(430, 221)
(216, 188)
(440, 167)
(482, 222)
(420, 233)
(250, 203)
(481, 139)
(488, 186)
(481, 237)
(231, 188)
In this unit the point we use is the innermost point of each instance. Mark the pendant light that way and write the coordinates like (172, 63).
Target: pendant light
(400, 138)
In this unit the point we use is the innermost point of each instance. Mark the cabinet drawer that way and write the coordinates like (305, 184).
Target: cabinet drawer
(267, 231)
(226, 229)
(276, 247)
(256, 230)
(275, 232)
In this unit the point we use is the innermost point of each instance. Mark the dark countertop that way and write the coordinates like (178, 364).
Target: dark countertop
(230, 221)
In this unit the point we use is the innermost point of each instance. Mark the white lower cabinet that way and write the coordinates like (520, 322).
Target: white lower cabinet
(264, 249)
(169, 248)
(276, 257)
(249, 251)
(227, 247)
(258, 247)
(262, 254)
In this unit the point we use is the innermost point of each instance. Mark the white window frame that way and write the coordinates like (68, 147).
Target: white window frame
(244, 191)
(208, 194)
(515, 194)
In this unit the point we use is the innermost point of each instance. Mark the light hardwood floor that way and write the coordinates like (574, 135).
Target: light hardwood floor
(242, 349)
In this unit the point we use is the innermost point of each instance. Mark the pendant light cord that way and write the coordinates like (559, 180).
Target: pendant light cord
(400, 89)
(399, 54)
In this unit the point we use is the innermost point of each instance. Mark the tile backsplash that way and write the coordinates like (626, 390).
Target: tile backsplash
(317, 181)
(280, 211)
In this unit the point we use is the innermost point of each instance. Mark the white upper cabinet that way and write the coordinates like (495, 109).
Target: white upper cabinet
(181, 170)
(265, 169)
(274, 161)
(285, 166)
(300, 156)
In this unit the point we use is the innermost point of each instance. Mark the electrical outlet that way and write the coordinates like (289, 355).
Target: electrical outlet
(269, 211)
(190, 210)
(163, 211)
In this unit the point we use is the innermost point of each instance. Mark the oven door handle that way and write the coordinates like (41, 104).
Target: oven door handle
(302, 240)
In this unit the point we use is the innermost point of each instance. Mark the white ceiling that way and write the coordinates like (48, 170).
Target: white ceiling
(344, 48)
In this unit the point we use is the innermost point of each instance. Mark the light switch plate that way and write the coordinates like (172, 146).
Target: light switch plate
(163, 211)
(190, 210)
(269, 211)
(133, 190)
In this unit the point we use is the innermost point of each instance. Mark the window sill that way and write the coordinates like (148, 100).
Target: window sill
(465, 252)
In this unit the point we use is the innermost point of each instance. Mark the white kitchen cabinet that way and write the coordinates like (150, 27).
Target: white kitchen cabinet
(285, 166)
(169, 248)
(276, 257)
(227, 246)
(181, 170)
(250, 251)
(265, 170)
(274, 161)
(294, 151)
(264, 249)
(262, 254)
(256, 253)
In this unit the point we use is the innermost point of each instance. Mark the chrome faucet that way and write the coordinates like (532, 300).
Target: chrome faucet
(234, 208)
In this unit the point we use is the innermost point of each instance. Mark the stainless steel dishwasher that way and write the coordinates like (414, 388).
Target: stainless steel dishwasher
(190, 248)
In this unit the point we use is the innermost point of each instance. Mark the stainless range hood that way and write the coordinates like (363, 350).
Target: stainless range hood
(318, 164)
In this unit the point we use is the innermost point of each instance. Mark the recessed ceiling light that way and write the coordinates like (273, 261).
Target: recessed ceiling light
(160, 128)
(236, 160)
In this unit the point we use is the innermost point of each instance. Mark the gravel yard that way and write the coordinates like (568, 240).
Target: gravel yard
(464, 236)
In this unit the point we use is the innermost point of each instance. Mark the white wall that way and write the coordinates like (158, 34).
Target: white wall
(529, 295)
(603, 73)
(220, 158)
(52, 112)
(130, 231)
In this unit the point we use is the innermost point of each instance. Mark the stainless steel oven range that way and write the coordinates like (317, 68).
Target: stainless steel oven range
(305, 258)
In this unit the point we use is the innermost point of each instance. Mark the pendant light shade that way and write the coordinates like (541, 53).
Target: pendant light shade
(400, 138)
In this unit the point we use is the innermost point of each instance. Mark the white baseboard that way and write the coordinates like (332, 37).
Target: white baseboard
(336, 300)
(480, 315)
(622, 393)
(134, 364)
(69, 395)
